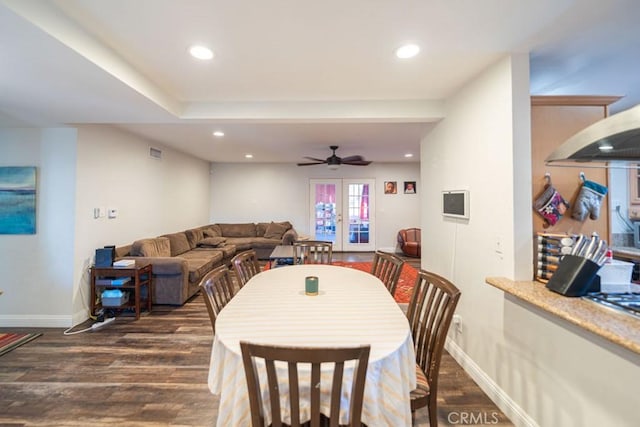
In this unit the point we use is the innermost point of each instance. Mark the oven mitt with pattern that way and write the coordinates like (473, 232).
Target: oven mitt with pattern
(589, 201)
(551, 205)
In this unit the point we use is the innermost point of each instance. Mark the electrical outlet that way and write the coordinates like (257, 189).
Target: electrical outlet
(457, 322)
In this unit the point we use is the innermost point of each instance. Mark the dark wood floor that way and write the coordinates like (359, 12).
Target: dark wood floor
(153, 372)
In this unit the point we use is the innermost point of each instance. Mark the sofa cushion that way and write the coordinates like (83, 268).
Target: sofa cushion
(158, 247)
(261, 228)
(211, 242)
(275, 231)
(178, 243)
(194, 236)
(238, 230)
(212, 231)
(242, 243)
(263, 242)
(200, 262)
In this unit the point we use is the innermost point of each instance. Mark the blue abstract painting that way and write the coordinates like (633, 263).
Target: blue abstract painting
(18, 200)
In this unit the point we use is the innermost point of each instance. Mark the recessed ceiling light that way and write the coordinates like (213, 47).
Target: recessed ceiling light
(248, 156)
(407, 51)
(605, 147)
(218, 133)
(201, 52)
(408, 155)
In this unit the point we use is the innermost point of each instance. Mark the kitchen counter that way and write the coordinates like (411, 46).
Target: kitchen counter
(619, 328)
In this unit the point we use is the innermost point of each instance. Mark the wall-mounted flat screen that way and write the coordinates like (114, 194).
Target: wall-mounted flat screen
(455, 203)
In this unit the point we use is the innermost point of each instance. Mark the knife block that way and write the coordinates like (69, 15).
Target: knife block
(575, 276)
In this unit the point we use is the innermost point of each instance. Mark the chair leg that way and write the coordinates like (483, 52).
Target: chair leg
(433, 414)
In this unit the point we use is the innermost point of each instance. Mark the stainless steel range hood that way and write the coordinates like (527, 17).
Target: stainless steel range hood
(614, 138)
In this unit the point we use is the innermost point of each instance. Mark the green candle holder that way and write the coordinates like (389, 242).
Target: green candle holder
(311, 285)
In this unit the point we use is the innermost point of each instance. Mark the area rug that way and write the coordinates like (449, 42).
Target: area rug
(9, 342)
(407, 280)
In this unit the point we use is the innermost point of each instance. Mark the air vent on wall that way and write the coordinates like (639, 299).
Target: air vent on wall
(155, 153)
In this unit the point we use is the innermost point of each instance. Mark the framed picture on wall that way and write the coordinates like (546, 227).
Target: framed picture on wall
(410, 187)
(18, 200)
(390, 187)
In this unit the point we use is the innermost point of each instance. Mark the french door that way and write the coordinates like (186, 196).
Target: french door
(342, 212)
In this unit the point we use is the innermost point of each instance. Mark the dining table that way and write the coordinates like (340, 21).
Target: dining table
(351, 308)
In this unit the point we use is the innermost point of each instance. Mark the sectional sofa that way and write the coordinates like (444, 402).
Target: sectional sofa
(181, 259)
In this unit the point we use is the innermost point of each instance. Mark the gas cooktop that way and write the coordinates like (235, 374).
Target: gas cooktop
(627, 302)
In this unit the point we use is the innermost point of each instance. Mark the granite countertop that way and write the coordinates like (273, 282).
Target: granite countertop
(619, 328)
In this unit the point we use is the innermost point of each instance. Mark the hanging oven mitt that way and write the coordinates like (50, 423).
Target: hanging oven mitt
(589, 200)
(551, 205)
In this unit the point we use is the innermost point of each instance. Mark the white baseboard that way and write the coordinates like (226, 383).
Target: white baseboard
(502, 400)
(35, 321)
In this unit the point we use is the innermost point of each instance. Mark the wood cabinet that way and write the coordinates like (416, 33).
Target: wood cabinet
(553, 120)
(140, 281)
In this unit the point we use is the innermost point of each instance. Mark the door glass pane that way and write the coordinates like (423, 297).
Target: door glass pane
(325, 212)
(358, 199)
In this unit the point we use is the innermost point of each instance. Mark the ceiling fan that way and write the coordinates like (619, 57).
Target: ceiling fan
(334, 161)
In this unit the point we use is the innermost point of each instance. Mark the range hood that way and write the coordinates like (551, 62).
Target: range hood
(615, 138)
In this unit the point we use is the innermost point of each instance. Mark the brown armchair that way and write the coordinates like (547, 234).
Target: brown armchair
(409, 240)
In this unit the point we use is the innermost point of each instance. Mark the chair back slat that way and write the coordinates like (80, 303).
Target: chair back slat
(274, 393)
(217, 289)
(295, 357)
(312, 252)
(430, 312)
(245, 265)
(387, 267)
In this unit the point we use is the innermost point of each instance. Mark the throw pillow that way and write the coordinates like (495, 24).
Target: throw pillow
(194, 236)
(211, 242)
(275, 231)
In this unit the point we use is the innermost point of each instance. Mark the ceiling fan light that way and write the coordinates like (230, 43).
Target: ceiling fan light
(333, 167)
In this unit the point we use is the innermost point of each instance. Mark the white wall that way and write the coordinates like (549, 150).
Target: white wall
(539, 370)
(93, 166)
(619, 193)
(279, 192)
(37, 270)
(152, 196)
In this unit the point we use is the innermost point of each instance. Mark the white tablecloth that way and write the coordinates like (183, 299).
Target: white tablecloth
(353, 308)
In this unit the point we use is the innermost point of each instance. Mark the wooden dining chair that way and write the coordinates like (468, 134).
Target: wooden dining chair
(312, 252)
(430, 312)
(287, 379)
(245, 265)
(387, 267)
(217, 289)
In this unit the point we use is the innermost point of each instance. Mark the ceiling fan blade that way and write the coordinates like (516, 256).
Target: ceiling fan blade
(311, 163)
(352, 159)
(357, 163)
(315, 160)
